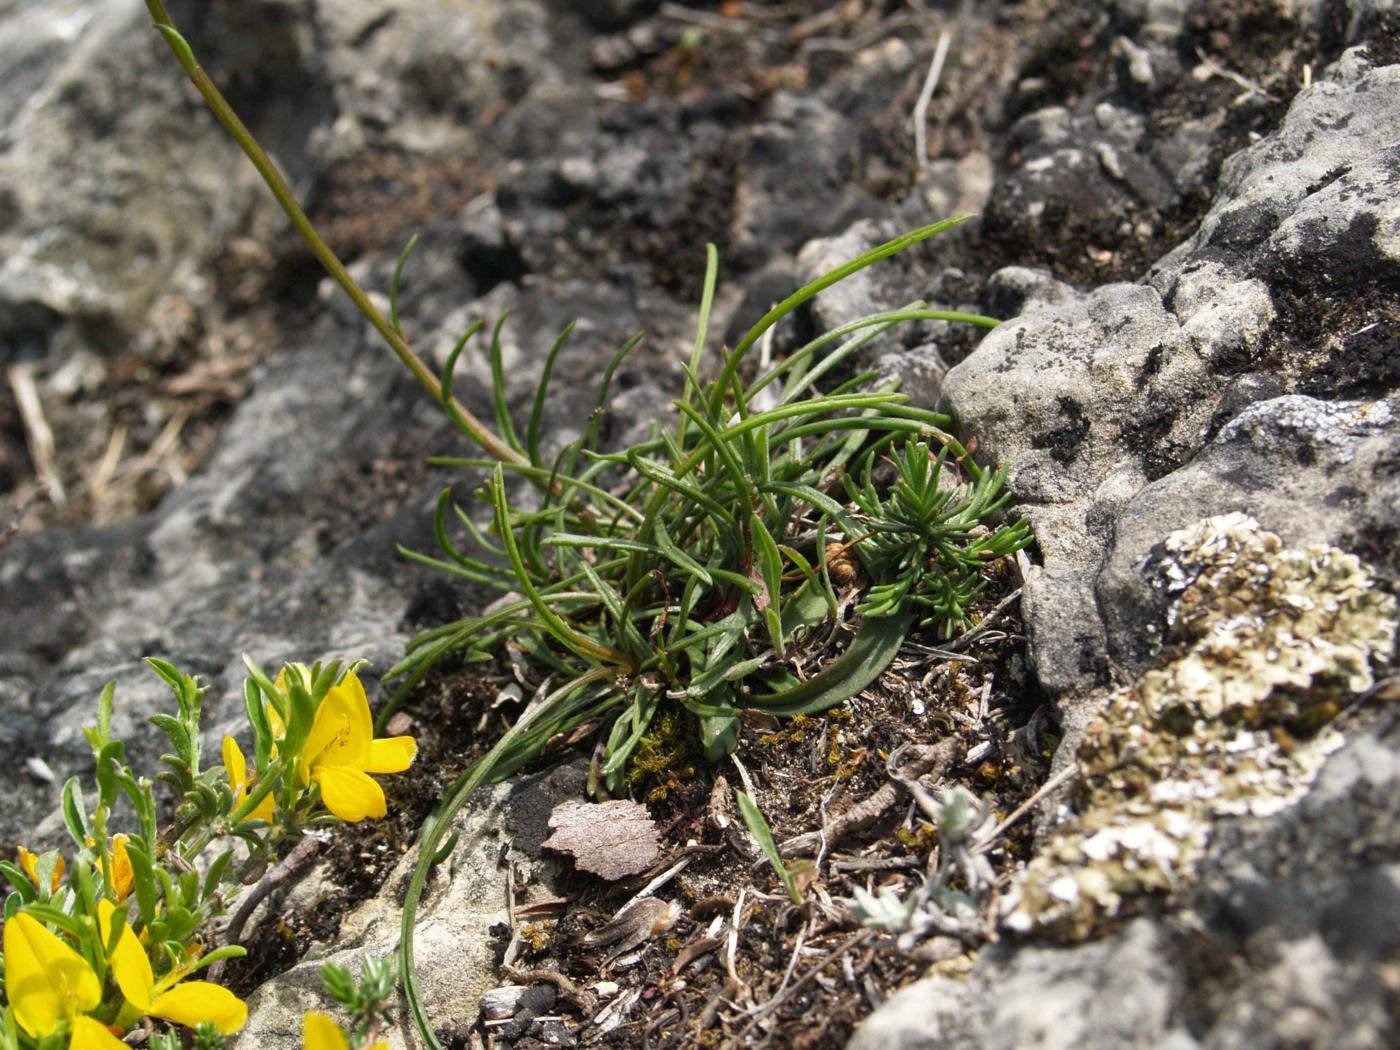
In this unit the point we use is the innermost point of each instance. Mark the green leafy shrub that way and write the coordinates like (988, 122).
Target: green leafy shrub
(691, 569)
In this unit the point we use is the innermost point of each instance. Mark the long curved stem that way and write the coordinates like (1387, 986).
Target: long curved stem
(479, 432)
(436, 827)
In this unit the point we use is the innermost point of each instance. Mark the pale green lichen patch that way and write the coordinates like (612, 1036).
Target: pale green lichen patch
(1265, 645)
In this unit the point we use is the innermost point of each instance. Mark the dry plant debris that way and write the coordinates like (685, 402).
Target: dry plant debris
(611, 839)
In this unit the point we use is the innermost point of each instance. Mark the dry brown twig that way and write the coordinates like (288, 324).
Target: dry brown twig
(585, 1001)
(935, 70)
(921, 760)
(295, 862)
(1209, 67)
(38, 435)
(1025, 807)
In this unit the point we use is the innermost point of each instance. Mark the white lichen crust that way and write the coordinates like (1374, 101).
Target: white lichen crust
(1265, 644)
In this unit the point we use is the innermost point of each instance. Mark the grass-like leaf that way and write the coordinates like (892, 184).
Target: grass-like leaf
(758, 827)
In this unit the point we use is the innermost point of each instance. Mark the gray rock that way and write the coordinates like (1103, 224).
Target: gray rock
(1341, 121)
(128, 224)
(1125, 413)
(1088, 398)
(612, 14)
(1285, 947)
(1306, 905)
(1085, 401)
(1111, 995)
(1311, 471)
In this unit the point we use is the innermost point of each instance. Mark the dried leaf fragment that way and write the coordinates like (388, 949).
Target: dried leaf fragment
(634, 925)
(610, 839)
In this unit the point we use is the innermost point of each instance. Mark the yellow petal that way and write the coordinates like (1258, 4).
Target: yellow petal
(356, 706)
(30, 863)
(235, 768)
(319, 1032)
(129, 963)
(45, 980)
(266, 809)
(195, 1001)
(349, 793)
(123, 878)
(329, 741)
(391, 754)
(93, 1035)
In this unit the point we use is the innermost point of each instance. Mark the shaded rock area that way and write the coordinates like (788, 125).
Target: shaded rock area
(1189, 219)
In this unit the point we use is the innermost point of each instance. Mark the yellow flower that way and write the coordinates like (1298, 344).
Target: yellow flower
(30, 863)
(123, 879)
(47, 982)
(187, 1004)
(236, 769)
(319, 1032)
(340, 753)
(93, 1035)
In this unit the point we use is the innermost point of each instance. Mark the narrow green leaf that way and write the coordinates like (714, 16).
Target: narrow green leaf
(168, 672)
(680, 557)
(175, 730)
(504, 426)
(719, 736)
(865, 659)
(566, 635)
(819, 285)
(449, 369)
(51, 916)
(762, 834)
(269, 689)
(180, 46)
(16, 877)
(394, 284)
(487, 577)
(215, 874)
(74, 814)
(589, 437)
(630, 729)
(105, 703)
(532, 431)
(109, 759)
(224, 951)
(654, 471)
(254, 707)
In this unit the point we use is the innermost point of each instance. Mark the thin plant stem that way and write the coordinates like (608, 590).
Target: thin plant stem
(478, 431)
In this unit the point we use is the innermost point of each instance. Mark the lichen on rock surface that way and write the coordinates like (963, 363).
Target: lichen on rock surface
(1265, 644)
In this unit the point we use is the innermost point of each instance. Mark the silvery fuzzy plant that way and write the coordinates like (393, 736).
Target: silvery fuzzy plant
(964, 828)
(694, 570)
